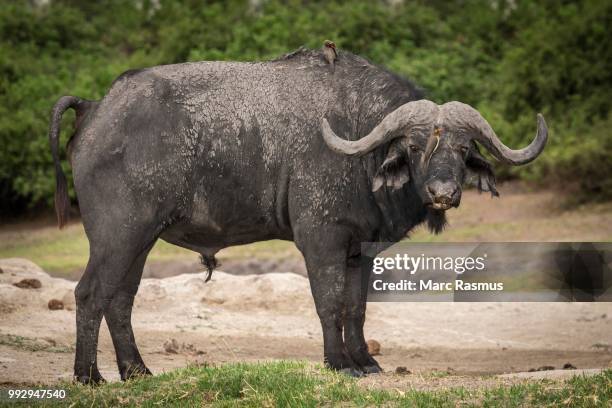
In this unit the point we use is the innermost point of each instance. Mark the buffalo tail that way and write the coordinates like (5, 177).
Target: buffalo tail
(62, 201)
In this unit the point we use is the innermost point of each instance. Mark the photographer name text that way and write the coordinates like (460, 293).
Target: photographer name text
(423, 263)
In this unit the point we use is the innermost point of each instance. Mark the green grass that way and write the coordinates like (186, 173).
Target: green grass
(299, 384)
(53, 250)
(465, 234)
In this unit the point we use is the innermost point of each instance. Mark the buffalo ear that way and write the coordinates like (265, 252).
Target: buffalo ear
(393, 173)
(481, 172)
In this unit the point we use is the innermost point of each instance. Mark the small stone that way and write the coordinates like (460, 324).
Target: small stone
(373, 347)
(1, 270)
(51, 341)
(546, 368)
(171, 346)
(28, 284)
(55, 304)
(188, 348)
(569, 366)
(68, 300)
(541, 368)
(402, 370)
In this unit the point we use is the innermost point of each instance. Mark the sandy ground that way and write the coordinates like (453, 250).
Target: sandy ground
(272, 316)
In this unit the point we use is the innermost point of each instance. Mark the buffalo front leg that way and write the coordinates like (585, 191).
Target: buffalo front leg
(325, 255)
(357, 280)
(118, 316)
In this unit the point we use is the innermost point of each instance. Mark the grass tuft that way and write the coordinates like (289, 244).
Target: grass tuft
(300, 384)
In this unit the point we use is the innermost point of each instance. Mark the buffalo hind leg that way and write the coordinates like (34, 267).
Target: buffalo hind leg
(119, 319)
(89, 309)
(112, 254)
(325, 257)
(357, 280)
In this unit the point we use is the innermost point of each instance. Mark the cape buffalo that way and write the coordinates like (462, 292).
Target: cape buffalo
(207, 155)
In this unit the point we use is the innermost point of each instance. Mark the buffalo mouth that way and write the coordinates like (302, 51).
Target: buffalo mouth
(440, 206)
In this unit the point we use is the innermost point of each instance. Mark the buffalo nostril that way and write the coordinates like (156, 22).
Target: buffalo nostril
(443, 192)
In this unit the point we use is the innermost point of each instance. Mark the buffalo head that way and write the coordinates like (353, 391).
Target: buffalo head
(433, 146)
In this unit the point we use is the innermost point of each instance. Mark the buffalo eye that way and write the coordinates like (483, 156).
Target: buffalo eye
(414, 148)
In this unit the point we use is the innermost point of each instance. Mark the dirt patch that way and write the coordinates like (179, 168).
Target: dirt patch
(28, 284)
(432, 381)
(272, 316)
(55, 304)
(263, 266)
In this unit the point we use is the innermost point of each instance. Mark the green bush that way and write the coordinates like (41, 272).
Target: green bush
(508, 59)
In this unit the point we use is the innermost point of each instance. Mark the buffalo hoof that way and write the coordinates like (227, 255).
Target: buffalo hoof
(134, 371)
(90, 380)
(372, 369)
(351, 372)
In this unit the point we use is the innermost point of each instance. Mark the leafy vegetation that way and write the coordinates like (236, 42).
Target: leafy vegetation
(509, 59)
(299, 384)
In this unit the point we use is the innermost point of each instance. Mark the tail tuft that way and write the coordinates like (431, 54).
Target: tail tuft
(210, 262)
(62, 199)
